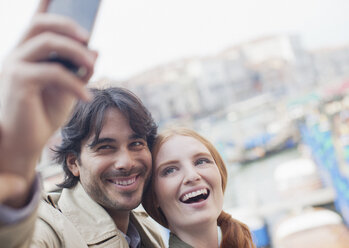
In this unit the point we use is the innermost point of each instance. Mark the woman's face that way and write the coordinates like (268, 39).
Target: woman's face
(187, 183)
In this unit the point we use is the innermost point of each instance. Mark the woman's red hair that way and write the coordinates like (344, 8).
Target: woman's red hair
(234, 233)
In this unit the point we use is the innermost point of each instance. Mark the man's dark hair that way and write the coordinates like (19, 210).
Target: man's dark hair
(88, 118)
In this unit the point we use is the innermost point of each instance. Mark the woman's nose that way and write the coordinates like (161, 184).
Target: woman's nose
(191, 176)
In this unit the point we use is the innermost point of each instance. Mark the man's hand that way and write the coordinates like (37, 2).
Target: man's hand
(11, 187)
(39, 94)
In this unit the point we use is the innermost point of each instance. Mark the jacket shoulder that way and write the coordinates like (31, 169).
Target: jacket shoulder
(47, 227)
(53, 229)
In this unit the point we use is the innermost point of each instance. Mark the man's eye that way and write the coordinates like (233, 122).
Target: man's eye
(202, 161)
(104, 147)
(138, 144)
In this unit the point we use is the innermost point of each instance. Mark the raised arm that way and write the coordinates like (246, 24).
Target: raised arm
(38, 97)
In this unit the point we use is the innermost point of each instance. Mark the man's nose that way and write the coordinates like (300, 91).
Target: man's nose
(125, 160)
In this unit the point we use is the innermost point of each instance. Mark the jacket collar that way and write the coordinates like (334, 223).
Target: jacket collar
(91, 220)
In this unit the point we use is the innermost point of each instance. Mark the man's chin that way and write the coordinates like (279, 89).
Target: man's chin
(131, 203)
(127, 202)
(119, 206)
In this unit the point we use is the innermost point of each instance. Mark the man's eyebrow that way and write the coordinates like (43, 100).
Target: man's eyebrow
(100, 141)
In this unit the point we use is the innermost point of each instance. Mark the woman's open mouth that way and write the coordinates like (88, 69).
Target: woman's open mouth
(195, 196)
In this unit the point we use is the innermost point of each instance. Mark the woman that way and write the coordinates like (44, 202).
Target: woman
(186, 193)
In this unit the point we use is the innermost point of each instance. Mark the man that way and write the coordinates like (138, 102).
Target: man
(104, 152)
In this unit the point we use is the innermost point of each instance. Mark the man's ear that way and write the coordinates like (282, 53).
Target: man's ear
(72, 162)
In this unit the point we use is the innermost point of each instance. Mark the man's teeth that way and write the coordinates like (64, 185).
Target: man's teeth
(193, 194)
(124, 182)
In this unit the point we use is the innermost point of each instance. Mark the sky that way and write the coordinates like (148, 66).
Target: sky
(132, 36)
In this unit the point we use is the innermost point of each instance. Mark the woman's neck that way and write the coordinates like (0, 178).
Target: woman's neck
(203, 236)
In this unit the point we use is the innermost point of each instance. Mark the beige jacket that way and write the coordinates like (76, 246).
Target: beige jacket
(73, 220)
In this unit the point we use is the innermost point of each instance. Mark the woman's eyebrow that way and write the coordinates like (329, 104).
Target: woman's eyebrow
(202, 154)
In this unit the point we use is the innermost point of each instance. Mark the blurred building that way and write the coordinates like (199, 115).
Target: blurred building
(169, 91)
(277, 64)
(200, 86)
(331, 64)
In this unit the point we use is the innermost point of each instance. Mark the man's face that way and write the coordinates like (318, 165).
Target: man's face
(115, 171)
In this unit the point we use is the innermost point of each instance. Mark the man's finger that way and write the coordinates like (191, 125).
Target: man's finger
(58, 24)
(11, 186)
(40, 48)
(42, 7)
(55, 74)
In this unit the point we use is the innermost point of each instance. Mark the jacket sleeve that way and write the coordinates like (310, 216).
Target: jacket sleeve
(20, 234)
(17, 225)
(28, 227)
(31, 232)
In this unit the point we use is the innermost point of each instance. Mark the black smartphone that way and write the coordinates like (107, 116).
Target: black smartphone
(83, 12)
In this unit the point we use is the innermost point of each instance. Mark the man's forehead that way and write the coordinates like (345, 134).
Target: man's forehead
(113, 123)
(114, 135)
(98, 122)
(112, 118)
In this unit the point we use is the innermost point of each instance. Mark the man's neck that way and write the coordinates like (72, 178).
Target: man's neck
(121, 219)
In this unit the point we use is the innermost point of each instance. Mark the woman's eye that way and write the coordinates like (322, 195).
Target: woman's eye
(168, 171)
(202, 161)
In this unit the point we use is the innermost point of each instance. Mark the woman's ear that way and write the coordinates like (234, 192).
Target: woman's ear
(72, 162)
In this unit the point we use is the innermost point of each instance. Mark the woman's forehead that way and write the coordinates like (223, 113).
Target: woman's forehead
(180, 145)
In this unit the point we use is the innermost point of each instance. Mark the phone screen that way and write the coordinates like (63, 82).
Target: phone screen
(82, 11)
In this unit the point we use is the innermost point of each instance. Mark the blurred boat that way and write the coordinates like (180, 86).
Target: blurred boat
(315, 227)
(279, 137)
(297, 177)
